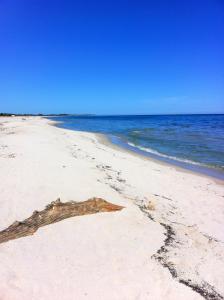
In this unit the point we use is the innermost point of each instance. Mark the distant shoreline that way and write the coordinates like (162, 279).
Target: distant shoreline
(103, 115)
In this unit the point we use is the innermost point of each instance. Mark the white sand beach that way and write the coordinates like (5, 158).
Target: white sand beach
(166, 243)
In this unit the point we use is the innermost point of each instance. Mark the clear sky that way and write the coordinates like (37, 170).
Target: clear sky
(112, 57)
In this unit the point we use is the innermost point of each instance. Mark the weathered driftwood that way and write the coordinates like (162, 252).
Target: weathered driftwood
(55, 212)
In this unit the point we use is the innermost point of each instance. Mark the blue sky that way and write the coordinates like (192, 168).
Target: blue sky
(112, 57)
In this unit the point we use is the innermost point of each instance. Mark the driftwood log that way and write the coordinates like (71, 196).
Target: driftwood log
(55, 212)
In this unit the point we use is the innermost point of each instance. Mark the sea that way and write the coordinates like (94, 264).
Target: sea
(194, 142)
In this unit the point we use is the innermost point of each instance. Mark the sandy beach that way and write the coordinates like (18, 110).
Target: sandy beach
(166, 243)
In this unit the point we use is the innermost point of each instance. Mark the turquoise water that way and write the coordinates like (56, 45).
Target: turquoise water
(188, 140)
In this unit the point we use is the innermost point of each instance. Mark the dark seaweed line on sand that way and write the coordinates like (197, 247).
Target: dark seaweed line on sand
(206, 290)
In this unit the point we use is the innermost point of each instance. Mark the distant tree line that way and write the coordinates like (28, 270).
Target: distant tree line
(5, 115)
(44, 115)
(29, 115)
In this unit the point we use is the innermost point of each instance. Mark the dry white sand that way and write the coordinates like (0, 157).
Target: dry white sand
(167, 243)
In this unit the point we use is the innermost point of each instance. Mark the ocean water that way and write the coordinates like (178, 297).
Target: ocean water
(191, 141)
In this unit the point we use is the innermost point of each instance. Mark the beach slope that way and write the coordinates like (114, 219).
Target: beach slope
(167, 241)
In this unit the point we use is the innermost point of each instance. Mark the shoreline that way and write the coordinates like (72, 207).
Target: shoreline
(114, 142)
(166, 243)
(106, 140)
